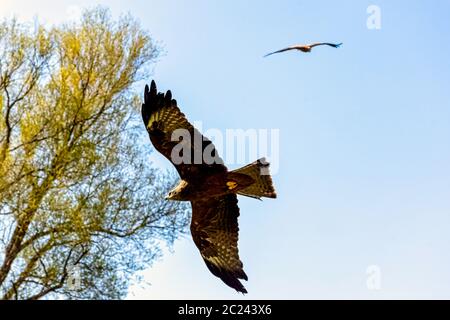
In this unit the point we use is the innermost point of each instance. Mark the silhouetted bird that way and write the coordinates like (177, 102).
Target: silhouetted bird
(305, 48)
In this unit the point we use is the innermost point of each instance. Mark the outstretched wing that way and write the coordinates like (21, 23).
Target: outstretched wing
(283, 50)
(214, 228)
(168, 128)
(334, 45)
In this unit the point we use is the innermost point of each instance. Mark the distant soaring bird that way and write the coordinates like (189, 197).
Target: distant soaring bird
(208, 185)
(306, 48)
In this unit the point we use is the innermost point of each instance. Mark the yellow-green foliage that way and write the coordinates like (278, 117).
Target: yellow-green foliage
(73, 180)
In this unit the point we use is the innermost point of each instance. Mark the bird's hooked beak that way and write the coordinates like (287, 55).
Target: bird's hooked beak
(170, 195)
(175, 193)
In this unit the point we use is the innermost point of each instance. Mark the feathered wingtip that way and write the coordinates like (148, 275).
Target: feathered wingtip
(339, 45)
(150, 93)
(152, 97)
(149, 101)
(230, 278)
(154, 101)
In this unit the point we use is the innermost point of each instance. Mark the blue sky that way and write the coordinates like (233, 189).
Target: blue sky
(364, 174)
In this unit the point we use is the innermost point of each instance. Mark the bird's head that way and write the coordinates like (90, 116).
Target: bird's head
(177, 192)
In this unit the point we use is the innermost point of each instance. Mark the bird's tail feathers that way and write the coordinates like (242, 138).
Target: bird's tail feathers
(259, 172)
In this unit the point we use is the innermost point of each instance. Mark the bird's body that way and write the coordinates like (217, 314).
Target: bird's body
(210, 186)
(206, 183)
(305, 48)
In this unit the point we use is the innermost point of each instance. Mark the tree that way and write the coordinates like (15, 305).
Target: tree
(81, 209)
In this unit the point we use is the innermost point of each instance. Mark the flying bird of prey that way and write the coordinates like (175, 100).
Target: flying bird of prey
(305, 48)
(210, 187)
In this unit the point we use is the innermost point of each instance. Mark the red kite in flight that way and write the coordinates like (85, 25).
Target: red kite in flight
(208, 185)
(306, 48)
